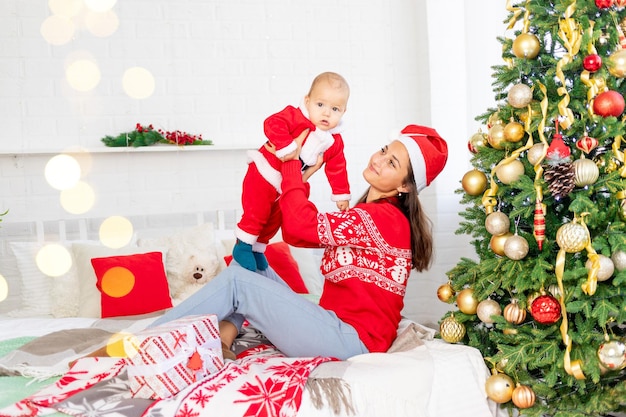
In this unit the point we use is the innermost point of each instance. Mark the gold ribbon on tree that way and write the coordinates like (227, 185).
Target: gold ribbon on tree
(574, 368)
(619, 155)
(517, 12)
(570, 34)
(596, 84)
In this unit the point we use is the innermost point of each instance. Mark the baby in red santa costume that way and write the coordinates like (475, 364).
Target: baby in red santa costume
(320, 112)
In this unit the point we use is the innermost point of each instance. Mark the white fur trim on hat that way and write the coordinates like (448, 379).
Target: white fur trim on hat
(417, 160)
(428, 153)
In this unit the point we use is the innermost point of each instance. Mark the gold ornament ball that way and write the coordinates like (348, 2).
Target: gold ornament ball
(466, 302)
(535, 153)
(445, 292)
(477, 141)
(523, 396)
(586, 172)
(513, 132)
(555, 291)
(510, 172)
(572, 237)
(520, 96)
(496, 136)
(514, 314)
(497, 243)
(516, 248)
(486, 309)
(499, 388)
(617, 63)
(497, 223)
(619, 260)
(612, 354)
(606, 267)
(526, 45)
(474, 182)
(451, 330)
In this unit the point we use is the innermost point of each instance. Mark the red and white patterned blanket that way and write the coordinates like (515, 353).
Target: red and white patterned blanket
(262, 382)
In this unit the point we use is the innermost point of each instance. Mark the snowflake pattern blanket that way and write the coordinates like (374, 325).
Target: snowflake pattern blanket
(261, 382)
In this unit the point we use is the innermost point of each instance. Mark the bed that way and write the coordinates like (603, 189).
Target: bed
(47, 321)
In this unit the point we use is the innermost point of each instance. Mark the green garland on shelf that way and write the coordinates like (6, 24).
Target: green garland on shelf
(147, 135)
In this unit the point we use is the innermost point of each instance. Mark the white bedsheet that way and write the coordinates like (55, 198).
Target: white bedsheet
(436, 379)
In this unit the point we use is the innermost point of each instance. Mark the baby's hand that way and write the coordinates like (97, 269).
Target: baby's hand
(343, 205)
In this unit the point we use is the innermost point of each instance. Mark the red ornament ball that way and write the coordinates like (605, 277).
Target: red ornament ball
(592, 62)
(604, 4)
(609, 103)
(545, 309)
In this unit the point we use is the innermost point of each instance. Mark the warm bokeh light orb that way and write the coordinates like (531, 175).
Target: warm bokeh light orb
(53, 260)
(62, 172)
(116, 232)
(57, 30)
(117, 282)
(66, 8)
(102, 24)
(138, 83)
(4, 288)
(122, 345)
(100, 5)
(78, 199)
(83, 75)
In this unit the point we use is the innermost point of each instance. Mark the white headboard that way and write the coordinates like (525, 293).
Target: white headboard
(85, 228)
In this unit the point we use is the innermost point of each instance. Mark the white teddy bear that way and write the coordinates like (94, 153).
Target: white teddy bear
(192, 259)
(186, 274)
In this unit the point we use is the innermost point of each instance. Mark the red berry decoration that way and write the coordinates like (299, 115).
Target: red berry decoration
(545, 309)
(608, 103)
(592, 62)
(604, 4)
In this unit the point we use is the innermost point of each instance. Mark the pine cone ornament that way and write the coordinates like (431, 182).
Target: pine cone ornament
(560, 179)
(559, 173)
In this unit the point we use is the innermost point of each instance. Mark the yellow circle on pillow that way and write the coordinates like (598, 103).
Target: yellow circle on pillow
(117, 282)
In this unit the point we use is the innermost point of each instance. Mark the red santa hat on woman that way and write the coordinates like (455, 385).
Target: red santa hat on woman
(428, 153)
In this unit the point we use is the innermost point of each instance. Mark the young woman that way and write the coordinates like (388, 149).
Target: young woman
(370, 250)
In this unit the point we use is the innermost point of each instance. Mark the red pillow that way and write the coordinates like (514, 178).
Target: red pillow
(132, 284)
(280, 259)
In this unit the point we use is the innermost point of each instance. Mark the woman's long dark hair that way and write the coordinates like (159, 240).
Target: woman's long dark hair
(421, 226)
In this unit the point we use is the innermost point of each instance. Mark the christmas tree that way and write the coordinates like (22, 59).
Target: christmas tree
(545, 206)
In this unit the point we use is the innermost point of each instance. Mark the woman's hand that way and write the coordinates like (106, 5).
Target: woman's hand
(293, 155)
(313, 168)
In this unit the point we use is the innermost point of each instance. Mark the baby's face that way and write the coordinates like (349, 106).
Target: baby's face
(326, 105)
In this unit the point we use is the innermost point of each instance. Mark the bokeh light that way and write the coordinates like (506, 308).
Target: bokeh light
(57, 30)
(100, 5)
(66, 8)
(117, 282)
(53, 259)
(4, 288)
(62, 172)
(102, 24)
(83, 75)
(138, 82)
(116, 232)
(78, 199)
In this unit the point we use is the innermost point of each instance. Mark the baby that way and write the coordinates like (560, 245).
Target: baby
(321, 113)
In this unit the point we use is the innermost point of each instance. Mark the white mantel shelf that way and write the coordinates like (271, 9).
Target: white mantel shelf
(123, 149)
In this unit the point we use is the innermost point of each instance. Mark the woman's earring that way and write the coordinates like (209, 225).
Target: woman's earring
(399, 194)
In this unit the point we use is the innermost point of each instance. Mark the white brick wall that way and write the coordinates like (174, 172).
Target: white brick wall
(221, 67)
